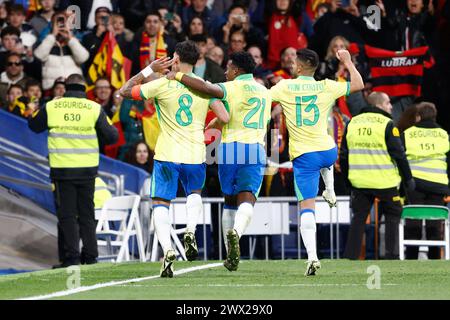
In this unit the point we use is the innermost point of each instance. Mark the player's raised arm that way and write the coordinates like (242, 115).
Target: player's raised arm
(199, 85)
(356, 81)
(130, 89)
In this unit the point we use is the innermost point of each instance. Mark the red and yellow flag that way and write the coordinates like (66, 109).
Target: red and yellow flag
(108, 62)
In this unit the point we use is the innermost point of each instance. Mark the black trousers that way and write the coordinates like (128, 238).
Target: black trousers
(76, 219)
(433, 228)
(361, 203)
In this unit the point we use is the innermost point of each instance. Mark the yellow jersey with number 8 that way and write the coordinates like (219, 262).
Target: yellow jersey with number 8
(306, 104)
(181, 115)
(249, 106)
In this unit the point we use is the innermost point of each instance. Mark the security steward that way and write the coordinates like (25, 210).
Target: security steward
(371, 156)
(427, 150)
(74, 124)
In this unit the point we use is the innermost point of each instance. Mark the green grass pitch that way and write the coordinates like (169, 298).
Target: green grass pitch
(267, 280)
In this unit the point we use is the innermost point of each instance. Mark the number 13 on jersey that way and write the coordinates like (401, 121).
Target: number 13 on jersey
(305, 105)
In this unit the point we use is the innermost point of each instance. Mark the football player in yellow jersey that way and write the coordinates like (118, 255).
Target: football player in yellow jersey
(180, 149)
(306, 104)
(241, 154)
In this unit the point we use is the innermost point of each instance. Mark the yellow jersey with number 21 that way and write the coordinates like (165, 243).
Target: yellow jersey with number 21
(249, 106)
(181, 116)
(306, 104)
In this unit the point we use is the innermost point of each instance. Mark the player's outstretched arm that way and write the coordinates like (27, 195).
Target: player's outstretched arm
(161, 65)
(212, 90)
(356, 81)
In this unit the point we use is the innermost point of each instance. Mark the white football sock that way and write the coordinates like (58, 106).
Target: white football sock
(162, 226)
(194, 208)
(308, 232)
(228, 216)
(328, 178)
(243, 217)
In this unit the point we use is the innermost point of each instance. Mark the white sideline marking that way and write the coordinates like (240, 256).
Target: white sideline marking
(257, 285)
(115, 283)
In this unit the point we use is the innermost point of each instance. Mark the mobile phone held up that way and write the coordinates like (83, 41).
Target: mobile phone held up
(60, 21)
(105, 20)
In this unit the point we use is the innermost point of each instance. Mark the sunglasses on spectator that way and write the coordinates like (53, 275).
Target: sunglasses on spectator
(12, 63)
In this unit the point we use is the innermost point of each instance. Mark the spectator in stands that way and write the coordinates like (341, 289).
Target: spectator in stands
(150, 43)
(61, 53)
(338, 21)
(216, 54)
(93, 39)
(130, 115)
(427, 147)
(58, 89)
(287, 59)
(103, 95)
(239, 19)
(14, 70)
(3, 15)
(221, 7)
(198, 8)
(17, 18)
(210, 43)
(205, 68)
(33, 91)
(411, 28)
(13, 75)
(123, 36)
(14, 92)
(42, 18)
(92, 7)
(140, 156)
(331, 68)
(196, 26)
(9, 40)
(284, 31)
(173, 26)
(260, 71)
(238, 41)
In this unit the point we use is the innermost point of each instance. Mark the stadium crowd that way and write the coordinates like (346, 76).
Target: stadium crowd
(43, 42)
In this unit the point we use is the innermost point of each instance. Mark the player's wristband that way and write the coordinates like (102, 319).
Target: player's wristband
(147, 71)
(179, 75)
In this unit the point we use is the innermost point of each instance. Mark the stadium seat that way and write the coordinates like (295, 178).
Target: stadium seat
(125, 211)
(424, 212)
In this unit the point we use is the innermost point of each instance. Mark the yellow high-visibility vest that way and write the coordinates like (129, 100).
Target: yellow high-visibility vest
(72, 140)
(102, 194)
(370, 165)
(426, 150)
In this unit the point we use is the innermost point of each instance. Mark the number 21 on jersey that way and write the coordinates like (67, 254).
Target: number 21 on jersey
(258, 104)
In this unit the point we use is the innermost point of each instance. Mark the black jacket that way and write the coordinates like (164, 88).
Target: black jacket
(106, 133)
(393, 143)
(213, 72)
(428, 186)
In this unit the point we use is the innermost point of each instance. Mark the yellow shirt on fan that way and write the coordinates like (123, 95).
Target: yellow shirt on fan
(181, 116)
(249, 106)
(306, 104)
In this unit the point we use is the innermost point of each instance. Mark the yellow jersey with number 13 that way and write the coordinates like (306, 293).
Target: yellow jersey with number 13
(249, 106)
(306, 104)
(181, 116)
